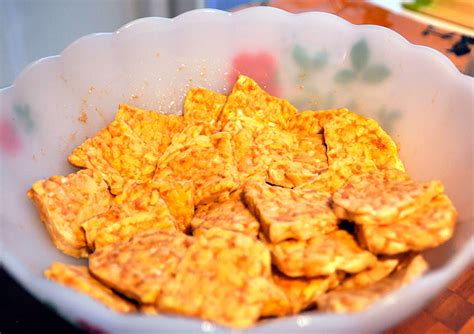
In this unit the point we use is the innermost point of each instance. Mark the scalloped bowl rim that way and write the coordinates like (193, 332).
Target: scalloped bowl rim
(207, 11)
(19, 271)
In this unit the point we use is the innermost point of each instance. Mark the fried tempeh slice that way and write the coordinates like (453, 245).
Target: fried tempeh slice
(148, 309)
(382, 197)
(138, 268)
(357, 299)
(287, 173)
(303, 292)
(269, 153)
(305, 122)
(381, 269)
(428, 226)
(179, 196)
(118, 154)
(224, 277)
(203, 107)
(310, 148)
(311, 122)
(65, 202)
(321, 255)
(337, 175)
(139, 208)
(351, 135)
(79, 279)
(302, 162)
(230, 214)
(248, 99)
(205, 160)
(153, 128)
(255, 145)
(306, 126)
(127, 227)
(289, 213)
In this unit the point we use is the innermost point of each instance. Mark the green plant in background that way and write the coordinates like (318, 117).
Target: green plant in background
(417, 4)
(23, 112)
(360, 67)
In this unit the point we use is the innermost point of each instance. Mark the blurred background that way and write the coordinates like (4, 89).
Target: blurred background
(32, 29)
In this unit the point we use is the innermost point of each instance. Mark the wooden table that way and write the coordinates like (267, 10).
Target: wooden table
(450, 312)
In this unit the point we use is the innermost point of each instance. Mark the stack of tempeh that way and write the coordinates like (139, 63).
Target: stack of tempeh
(240, 209)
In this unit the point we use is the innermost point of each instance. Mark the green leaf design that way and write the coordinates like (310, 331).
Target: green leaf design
(320, 59)
(344, 76)
(387, 118)
(394, 115)
(375, 74)
(301, 57)
(23, 113)
(360, 54)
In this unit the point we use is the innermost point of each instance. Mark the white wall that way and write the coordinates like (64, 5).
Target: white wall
(32, 29)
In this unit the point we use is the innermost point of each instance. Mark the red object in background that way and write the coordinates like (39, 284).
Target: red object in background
(261, 66)
(9, 140)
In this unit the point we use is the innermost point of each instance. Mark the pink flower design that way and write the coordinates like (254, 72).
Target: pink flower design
(262, 67)
(9, 139)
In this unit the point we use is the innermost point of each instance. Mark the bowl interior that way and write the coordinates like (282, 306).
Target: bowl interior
(314, 60)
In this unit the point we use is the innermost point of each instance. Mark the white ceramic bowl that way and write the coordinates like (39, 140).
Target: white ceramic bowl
(315, 60)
